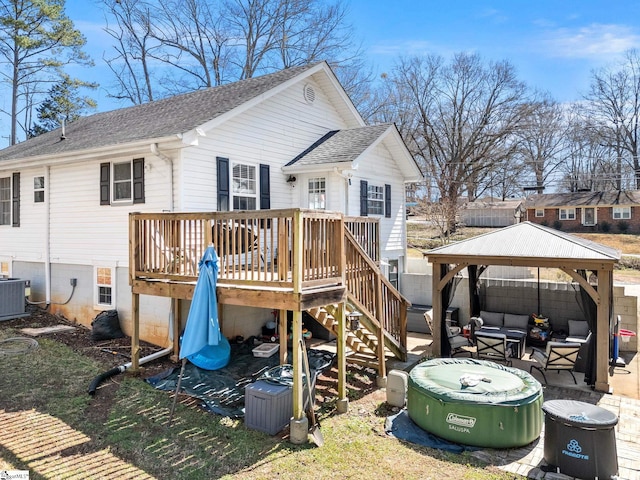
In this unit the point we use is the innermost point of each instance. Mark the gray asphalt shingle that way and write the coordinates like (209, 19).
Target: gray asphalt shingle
(162, 118)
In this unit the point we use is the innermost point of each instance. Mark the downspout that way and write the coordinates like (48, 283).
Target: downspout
(347, 182)
(47, 237)
(156, 151)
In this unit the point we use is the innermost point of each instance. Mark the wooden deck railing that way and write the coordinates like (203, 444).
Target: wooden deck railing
(254, 247)
(373, 294)
(366, 231)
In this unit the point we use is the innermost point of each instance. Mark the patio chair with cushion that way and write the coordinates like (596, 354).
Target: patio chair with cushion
(456, 340)
(557, 356)
(493, 346)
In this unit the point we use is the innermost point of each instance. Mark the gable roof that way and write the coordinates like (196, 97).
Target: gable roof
(524, 243)
(343, 148)
(169, 117)
(584, 199)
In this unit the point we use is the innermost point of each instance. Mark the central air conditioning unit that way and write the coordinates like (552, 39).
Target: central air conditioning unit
(12, 298)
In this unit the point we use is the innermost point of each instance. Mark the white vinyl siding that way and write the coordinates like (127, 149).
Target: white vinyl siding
(621, 213)
(271, 133)
(567, 214)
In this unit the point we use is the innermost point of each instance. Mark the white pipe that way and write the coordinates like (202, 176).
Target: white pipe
(156, 151)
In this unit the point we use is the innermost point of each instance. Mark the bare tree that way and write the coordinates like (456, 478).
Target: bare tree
(175, 46)
(464, 116)
(614, 105)
(134, 47)
(36, 39)
(541, 139)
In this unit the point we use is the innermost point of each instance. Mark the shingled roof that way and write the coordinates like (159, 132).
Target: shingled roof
(154, 120)
(584, 199)
(338, 146)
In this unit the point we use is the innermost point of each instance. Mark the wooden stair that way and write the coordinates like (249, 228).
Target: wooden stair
(362, 343)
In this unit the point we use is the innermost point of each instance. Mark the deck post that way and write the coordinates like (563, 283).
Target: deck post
(176, 308)
(342, 404)
(135, 335)
(283, 335)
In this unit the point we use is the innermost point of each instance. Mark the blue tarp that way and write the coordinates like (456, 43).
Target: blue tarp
(402, 427)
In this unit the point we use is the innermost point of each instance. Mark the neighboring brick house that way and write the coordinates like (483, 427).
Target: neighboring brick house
(615, 212)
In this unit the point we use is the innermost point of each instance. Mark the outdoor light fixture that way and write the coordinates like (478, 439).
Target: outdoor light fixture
(291, 181)
(354, 320)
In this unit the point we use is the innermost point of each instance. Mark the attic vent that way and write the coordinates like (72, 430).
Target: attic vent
(309, 93)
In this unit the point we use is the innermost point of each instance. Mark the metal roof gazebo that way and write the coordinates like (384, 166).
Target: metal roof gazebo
(531, 245)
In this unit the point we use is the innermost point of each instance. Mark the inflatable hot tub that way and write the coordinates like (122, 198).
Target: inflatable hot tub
(475, 402)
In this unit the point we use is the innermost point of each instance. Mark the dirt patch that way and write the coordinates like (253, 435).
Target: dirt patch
(111, 353)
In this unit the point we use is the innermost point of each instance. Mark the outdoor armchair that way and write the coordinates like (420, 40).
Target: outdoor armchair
(557, 356)
(493, 346)
(456, 340)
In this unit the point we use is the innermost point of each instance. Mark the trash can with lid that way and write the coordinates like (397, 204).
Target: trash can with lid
(579, 439)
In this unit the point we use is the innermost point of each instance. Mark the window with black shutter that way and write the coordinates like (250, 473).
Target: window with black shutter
(364, 196)
(138, 180)
(387, 201)
(265, 189)
(15, 203)
(223, 183)
(105, 183)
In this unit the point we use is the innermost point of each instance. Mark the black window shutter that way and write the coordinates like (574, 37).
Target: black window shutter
(265, 190)
(138, 180)
(15, 204)
(387, 201)
(223, 184)
(364, 195)
(105, 187)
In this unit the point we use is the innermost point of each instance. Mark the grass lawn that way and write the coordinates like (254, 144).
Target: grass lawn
(54, 429)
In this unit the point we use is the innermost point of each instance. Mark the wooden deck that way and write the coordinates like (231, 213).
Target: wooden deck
(287, 260)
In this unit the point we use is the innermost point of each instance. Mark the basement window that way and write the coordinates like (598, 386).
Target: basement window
(104, 287)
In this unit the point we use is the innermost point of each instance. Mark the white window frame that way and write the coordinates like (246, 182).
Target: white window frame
(595, 216)
(375, 199)
(317, 194)
(244, 185)
(621, 213)
(567, 214)
(38, 189)
(539, 212)
(124, 181)
(97, 270)
(5, 201)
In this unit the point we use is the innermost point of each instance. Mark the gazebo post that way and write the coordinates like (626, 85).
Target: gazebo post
(602, 349)
(436, 303)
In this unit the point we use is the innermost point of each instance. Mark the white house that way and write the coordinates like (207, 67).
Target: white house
(288, 139)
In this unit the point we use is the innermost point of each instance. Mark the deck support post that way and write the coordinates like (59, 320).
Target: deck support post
(176, 307)
(283, 335)
(341, 343)
(135, 334)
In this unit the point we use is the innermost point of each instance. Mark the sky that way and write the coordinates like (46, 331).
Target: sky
(554, 44)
